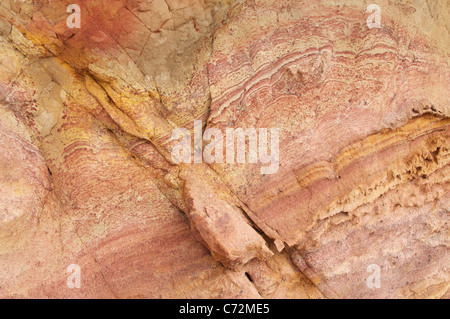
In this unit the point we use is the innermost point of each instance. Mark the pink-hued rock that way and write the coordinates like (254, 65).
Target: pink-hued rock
(88, 178)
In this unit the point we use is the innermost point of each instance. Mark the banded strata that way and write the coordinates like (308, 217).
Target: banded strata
(87, 176)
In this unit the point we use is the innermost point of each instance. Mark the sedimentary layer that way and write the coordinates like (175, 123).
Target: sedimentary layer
(88, 176)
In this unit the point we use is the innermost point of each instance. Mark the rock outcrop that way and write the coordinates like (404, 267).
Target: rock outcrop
(88, 175)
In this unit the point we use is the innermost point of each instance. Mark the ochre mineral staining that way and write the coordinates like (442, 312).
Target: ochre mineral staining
(87, 176)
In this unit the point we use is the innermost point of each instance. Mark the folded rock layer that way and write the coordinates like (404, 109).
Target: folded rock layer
(361, 181)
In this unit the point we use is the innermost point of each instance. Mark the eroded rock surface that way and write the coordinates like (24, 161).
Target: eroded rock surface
(88, 178)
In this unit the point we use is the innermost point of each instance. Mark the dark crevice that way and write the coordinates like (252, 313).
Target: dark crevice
(248, 276)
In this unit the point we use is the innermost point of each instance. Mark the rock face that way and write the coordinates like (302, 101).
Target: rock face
(358, 205)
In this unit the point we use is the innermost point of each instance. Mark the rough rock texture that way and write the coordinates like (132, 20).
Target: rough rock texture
(87, 178)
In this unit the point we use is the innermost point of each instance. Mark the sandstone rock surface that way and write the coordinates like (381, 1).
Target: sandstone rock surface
(87, 176)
